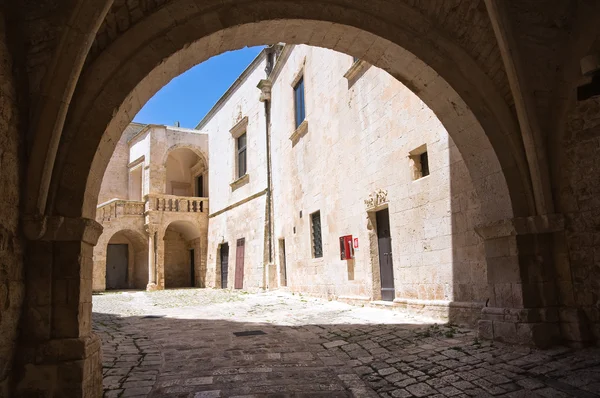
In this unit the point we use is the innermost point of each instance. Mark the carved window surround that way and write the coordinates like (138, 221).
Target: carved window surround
(299, 75)
(136, 162)
(356, 69)
(240, 128)
(299, 132)
(243, 180)
(377, 200)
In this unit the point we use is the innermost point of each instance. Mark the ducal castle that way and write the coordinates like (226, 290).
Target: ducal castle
(314, 173)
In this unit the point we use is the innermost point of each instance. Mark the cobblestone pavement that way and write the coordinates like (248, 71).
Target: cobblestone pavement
(182, 343)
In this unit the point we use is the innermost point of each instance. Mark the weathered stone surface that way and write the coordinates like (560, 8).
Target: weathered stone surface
(11, 243)
(200, 356)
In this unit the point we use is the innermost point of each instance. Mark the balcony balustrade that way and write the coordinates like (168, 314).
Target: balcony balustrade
(153, 202)
(118, 208)
(173, 203)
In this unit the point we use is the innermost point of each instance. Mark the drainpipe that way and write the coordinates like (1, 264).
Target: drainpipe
(265, 87)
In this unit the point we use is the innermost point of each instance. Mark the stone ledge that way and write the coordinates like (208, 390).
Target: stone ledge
(299, 132)
(243, 180)
(521, 226)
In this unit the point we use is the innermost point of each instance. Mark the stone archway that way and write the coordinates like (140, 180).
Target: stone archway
(179, 258)
(137, 258)
(121, 76)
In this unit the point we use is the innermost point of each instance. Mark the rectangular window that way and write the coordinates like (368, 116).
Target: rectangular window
(420, 162)
(424, 164)
(317, 241)
(300, 113)
(241, 155)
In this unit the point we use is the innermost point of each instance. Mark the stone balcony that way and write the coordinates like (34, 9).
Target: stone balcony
(173, 203)
(118, 208)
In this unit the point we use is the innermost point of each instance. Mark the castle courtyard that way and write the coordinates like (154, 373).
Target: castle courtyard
(187, 343)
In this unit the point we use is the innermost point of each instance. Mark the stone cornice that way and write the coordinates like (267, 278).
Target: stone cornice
(521, 226)
(356, 69)
(239, 128)
(57, 228)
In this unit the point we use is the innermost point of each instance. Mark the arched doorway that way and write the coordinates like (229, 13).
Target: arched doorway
(126, 261)
(182, 256)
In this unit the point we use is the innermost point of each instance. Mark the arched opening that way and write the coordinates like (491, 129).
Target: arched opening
(475, 116)
(186, 173)
(182, 256)
(126, 261)
(120, 75)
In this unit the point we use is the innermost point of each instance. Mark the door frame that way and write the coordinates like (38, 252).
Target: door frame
(393, 281)
(239, 268)
(283, 271)
(374, 250)
(220, 262)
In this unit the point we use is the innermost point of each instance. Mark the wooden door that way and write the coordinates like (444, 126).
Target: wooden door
(239, 263)
(116, 266)
(224, 265)
(386, 266)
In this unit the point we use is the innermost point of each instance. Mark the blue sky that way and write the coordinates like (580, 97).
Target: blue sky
(188, 97)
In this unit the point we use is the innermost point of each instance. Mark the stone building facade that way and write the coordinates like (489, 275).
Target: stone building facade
(356, 153)
(154, 211)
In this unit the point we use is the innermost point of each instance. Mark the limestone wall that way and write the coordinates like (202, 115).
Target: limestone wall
(115, 181)
(245, 221)
(237, 207)
(359, 138)
(580, 201)
(11, 246)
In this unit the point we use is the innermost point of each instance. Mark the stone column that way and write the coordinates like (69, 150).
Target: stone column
(151, 229)
(58, 355)
(523, 305)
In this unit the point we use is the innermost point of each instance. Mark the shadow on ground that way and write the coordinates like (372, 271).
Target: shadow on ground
(161, 356)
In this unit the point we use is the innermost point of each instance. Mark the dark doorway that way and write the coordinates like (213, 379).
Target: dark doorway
(282, 264)
(117, 260)
(239, 263)
(386, 266)
(224, 264)
(193, 267)
(200, 186)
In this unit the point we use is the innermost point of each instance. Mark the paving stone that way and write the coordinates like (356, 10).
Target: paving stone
(192, 352)
(420, 390)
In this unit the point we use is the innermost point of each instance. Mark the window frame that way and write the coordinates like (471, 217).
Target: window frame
(241, 150)
(417, 156)
(299, 111)
(316, 244)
